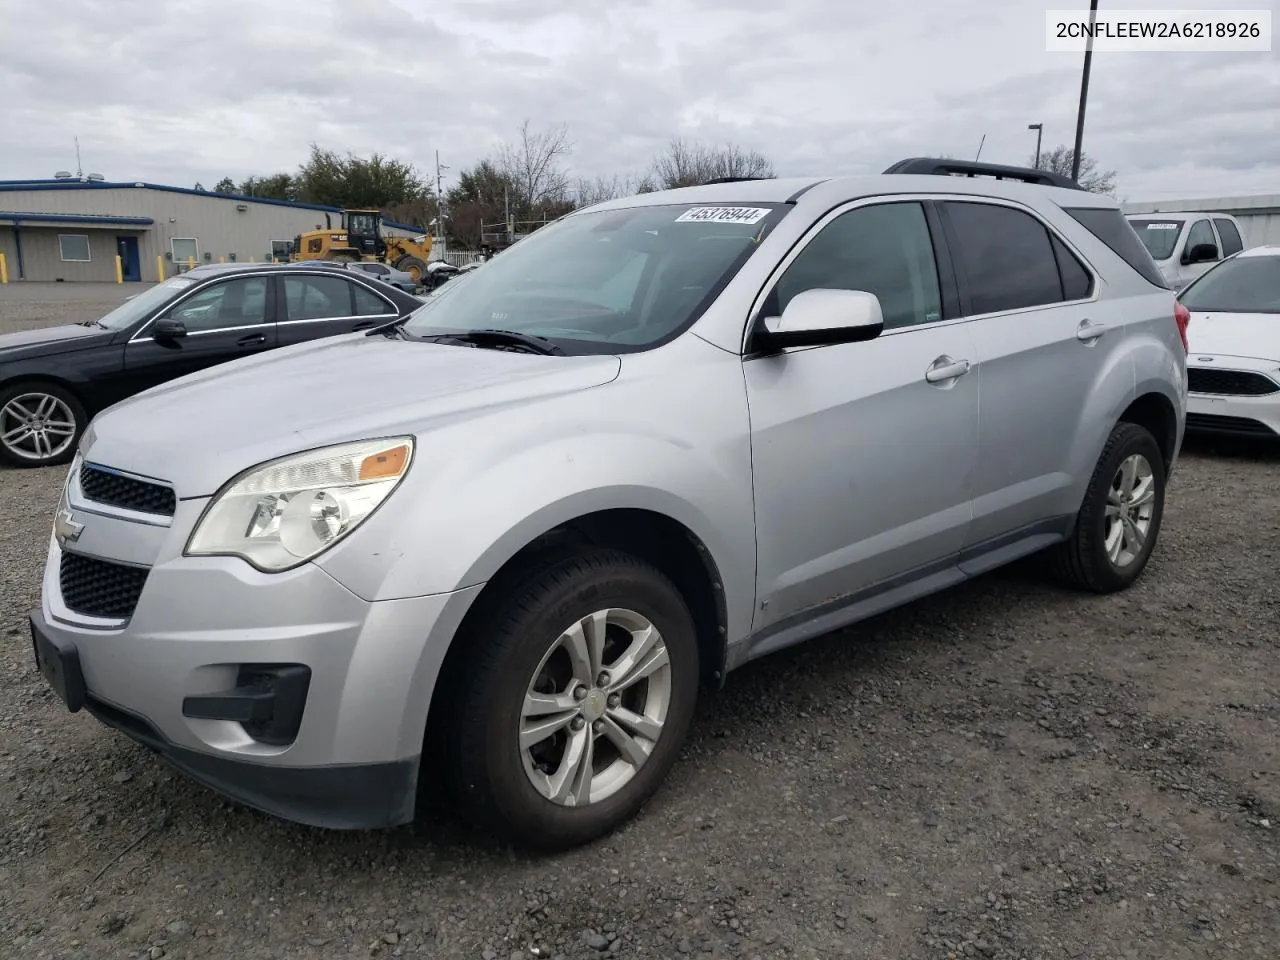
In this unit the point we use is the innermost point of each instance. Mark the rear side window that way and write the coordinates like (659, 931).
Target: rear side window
(1109, 225)
(1007, 256)
(1231, 242)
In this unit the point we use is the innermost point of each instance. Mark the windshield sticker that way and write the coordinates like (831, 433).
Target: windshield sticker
(747, 215)
(1162, 226)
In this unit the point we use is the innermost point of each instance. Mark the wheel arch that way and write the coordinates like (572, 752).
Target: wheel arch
(1156, 413)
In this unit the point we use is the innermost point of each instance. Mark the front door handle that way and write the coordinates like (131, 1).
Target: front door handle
(252, 339)
(944, 368)
(1089, 332)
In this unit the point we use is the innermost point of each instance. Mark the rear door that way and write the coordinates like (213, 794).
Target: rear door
(224, 320)
(1043, 340)
(1232, 242)
(314, 305)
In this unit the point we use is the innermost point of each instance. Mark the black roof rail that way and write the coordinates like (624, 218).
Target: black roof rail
(972, 168)
(733, 180)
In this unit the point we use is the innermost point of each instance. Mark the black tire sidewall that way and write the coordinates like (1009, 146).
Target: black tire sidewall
(521, 808)
(1135, 439)
(54, 390)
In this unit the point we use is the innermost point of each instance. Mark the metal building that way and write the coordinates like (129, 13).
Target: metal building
(73, 229)
(1259, 216)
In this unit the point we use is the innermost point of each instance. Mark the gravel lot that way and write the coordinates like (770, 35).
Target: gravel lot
(1006, 770)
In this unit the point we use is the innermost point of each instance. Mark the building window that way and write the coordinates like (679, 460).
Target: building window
(185, 249)
(280, 250)
(74, 247)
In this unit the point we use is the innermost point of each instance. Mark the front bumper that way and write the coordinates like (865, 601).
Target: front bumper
(1240, 416)
(349, 754)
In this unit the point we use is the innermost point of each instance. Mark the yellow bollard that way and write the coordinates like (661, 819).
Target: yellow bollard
(191, 263)
(222, 259)
(119, 269)
(159, 269)
(4, 270)
(253, 259)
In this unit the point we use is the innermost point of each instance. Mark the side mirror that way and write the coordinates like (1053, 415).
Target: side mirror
(1201, 253)
(822, 317)
(166, 328)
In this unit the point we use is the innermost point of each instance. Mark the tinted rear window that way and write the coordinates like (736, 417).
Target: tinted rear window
(1110, 226)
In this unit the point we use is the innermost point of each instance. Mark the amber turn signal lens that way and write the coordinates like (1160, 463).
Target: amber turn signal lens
(385, 464)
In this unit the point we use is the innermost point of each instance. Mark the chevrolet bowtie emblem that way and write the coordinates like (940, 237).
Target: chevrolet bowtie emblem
(65, 527)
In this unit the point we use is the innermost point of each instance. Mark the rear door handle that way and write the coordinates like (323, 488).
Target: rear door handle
(252, 339)
(944, 368)
(1089, 332)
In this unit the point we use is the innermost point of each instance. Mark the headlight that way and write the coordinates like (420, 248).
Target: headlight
(284, 513)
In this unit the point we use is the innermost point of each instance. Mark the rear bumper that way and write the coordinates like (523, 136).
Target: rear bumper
(334, 796)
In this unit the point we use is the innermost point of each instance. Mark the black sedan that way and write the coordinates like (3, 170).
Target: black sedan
(53, 380)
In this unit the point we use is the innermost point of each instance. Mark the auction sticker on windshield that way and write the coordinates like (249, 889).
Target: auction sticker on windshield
(723, 215)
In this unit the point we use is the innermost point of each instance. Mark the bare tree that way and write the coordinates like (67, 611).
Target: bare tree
(590, 191)
(1059, 160)
(534, 165)
(686, 164)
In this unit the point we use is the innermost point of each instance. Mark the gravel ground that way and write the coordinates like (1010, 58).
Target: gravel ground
(1006, 771)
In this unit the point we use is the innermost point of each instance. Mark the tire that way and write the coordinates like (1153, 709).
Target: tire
(492, 775)
(414, 267)
(1083, 561)
(49, 405)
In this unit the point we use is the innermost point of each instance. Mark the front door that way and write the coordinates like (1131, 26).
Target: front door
(317, 305)
(130, 262)
(862, 453)
(224, 320)
(1044, 340)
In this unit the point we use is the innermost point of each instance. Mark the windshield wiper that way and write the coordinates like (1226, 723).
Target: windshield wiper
(499, 339)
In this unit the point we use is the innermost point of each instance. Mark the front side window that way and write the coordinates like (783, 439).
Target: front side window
(1200, 233)
(219, 306)
(1231, 242)
(1243, 285)
(74, 247)
(606, 281)
(316, 298)
(1006, 255)
(883, 249)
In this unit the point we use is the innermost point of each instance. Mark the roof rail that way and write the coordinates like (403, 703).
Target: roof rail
(733, 180)
(971, 168)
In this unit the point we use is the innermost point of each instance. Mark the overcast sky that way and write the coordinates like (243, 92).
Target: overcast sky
(184, 92)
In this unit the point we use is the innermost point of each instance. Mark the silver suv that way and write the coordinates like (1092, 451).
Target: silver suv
(499, 546)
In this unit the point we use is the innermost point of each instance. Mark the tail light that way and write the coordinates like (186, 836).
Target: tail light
(1182, 316)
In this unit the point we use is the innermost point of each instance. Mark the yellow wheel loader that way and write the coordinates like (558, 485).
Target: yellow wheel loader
(360, 238)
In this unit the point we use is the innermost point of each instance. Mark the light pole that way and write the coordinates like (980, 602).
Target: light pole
(1084, 90)
(440, 229)
(1039, 129)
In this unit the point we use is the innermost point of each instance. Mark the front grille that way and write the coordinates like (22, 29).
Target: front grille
(99, 588)
(1239, 383)
(1242, 426)
(104, 486)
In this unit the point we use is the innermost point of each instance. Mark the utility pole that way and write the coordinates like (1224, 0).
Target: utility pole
(1084, 91)
(1039, 129)
(440, 229)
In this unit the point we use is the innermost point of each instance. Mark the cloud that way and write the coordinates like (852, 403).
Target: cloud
(820, 86)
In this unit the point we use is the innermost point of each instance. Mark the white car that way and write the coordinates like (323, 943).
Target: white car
(1233, 365)
(1187, 245)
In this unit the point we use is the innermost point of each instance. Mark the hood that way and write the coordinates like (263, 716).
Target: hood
(1253, 335)
(200, 430)
(47, 341)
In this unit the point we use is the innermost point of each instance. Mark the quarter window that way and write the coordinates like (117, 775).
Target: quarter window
(883, 249)
(1200, 233)
(369, 304)
(231, 303)
(1231, 242)
(317, 298)
(1007, 257)
(1077, 283)
(73, 247)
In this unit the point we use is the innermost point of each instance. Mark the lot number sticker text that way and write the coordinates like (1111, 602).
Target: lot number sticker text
(746, 215)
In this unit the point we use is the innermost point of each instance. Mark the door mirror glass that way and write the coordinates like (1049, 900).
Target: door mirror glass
(1202, 253)
(167, 328)
(818, 316)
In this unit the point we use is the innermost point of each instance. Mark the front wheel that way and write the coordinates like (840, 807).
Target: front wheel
(1119, 520)
(39, 424)
(414, 267)
(575, 703)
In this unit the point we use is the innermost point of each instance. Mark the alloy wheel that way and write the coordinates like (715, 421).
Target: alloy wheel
(1131, 502)
(36, 426)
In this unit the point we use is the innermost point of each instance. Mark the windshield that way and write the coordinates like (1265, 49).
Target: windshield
(360, 223)
(1158, 236)
(610, 281)
(1242, 285)
(135, 308)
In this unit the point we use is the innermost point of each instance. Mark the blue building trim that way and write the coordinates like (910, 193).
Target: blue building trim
(11, 186)
(14, 218)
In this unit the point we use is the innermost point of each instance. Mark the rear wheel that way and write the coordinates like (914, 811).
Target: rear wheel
(575, 704)
(1119, 521)
(40, 424)
(414, 267)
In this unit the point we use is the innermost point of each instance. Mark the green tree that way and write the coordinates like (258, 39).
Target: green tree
(225, 185)
(277, 186)
(1059, 161)
(350, 181)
